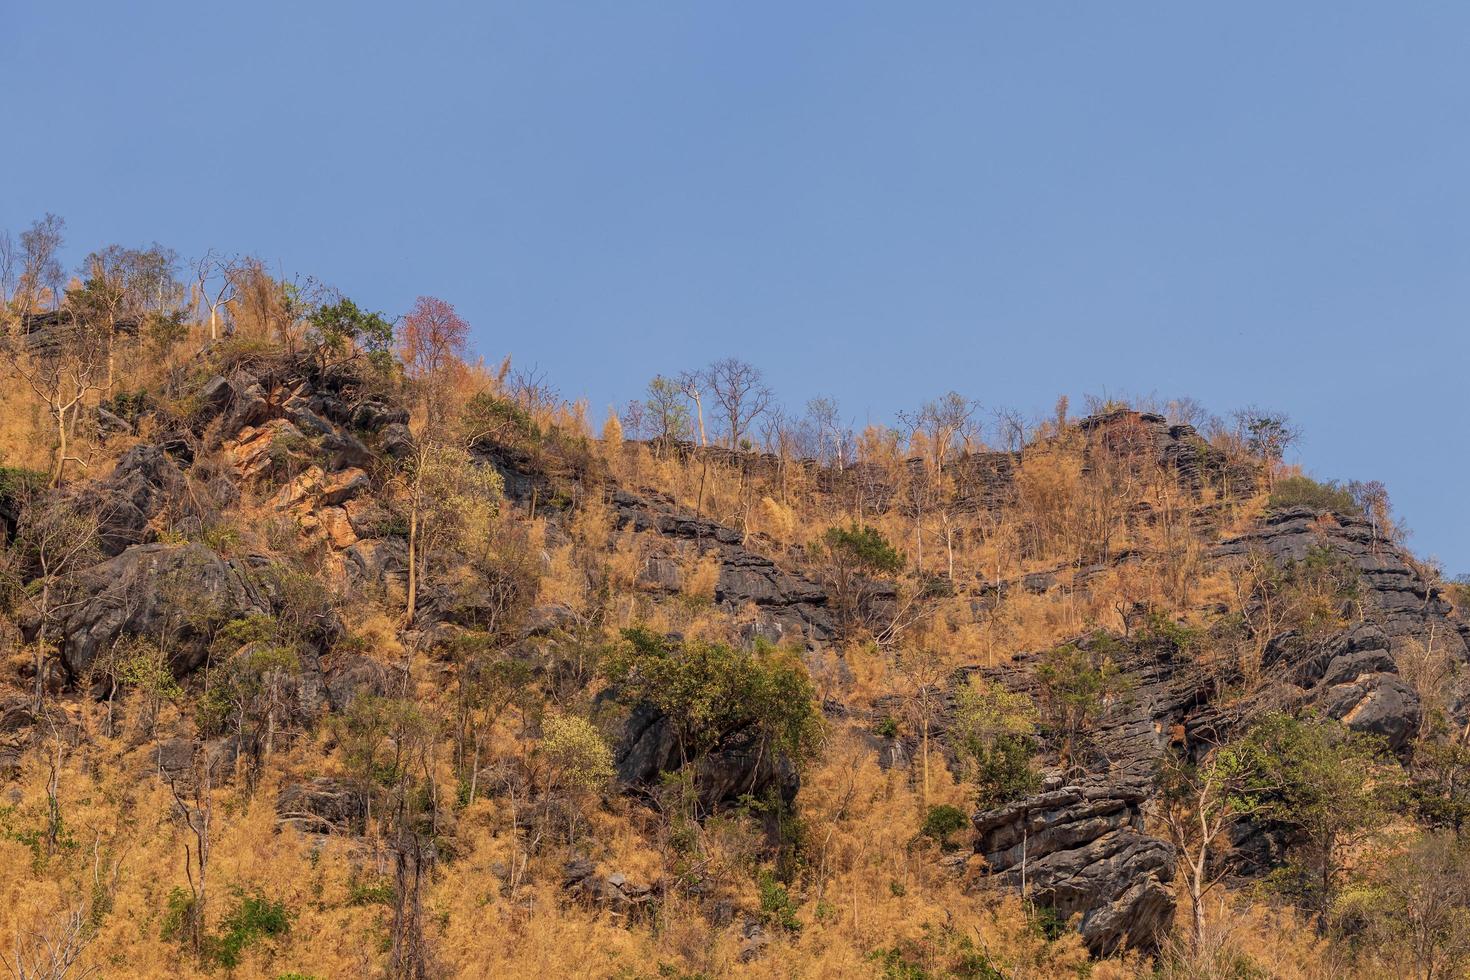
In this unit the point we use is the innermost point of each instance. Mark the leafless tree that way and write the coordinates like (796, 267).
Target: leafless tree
(834, 440)
(635, 419)
(62, 375)
(740, 390)
(9, 260)
(51, 950)
(215, 277)
(692, 384)
(947, 424)
(1010, 429)
(1186, 411)
(41, 275)
(196, 813)
(54, 538)
(530, 389)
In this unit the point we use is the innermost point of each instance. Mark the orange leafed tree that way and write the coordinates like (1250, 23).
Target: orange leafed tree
(432, 341)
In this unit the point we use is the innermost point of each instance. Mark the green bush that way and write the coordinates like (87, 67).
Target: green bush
(1303, 491)
(864, 548)
(711, 690)
(1077, 683)
(941, 821)
(1003, 772)
(777, 906)
(253, 918)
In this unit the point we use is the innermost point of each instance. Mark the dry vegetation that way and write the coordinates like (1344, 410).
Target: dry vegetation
(116, 858)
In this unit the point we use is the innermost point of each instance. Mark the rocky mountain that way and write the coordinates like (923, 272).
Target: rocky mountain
(317, 455)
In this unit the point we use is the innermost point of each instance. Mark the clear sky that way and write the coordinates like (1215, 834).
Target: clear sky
(1242, 202)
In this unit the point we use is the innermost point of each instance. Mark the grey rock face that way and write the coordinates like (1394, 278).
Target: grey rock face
(1081, 852)
(1396, 597)
(144, 482)
(179, 592)
(1081, 841)
(787, 604)
(649, 748)
(1355, 680)
(321, 805)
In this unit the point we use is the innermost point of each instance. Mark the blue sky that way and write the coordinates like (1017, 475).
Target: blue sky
(1247, 202)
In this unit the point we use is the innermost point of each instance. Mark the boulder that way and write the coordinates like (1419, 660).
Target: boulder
(177, 593)
(396, 441)
(615, 891)
(142, 485)
(1083, 852)
(374, 415)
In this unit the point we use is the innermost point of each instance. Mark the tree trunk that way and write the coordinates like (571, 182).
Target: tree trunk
(61, 446)
(413, 540)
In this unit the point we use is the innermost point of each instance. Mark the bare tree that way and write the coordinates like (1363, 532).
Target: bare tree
(196, 814)
(740, 390)
(635, 419)
(692, 384)
(834, 440)
(41, 275)
(54, 538)
(62, 375)
(51, 950)
(1010, 428)
(215, 277)
(947, 424)
(9, 261)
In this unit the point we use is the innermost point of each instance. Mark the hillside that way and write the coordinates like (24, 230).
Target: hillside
(330, 651)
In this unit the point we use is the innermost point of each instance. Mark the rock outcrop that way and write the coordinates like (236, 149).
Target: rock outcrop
(1080, 849)
(737, 767)
(143, 484)
(788, 605)
(176, 595)
(1082, 839)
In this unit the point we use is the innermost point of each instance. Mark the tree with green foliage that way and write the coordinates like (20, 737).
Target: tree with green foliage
(992, 733)
(488, 682)
(452, 502)
(1199, 803)
(1326, 783)
(1267, 435)
(1412, 916)
(343, 329)
(389, 745)
(1078, 682)
(578, 762)
(854, 556)
(665, 410)
(942, 821)
(710, 690)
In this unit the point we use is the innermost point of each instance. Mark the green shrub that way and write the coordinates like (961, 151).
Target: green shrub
(777, 906)
(941, 821)
(1303, 491)
(711, 690)
(253, 918)
(178, 911)
(864, 548)
(1003, 772)
(1077, 683)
